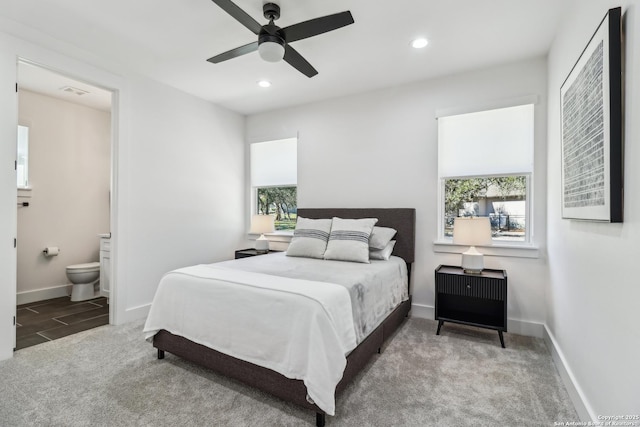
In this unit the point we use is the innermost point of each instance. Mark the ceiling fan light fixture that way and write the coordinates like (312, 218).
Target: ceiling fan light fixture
(274, 43)
(271, 50)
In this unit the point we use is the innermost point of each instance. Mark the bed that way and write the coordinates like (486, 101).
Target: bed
(323, 358)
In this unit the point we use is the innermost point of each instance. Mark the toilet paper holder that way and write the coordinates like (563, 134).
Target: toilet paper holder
(51, 251)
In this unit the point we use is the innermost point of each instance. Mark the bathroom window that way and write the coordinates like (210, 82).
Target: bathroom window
(22, 165)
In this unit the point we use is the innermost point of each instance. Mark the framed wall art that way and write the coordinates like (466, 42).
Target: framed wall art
(592, 128)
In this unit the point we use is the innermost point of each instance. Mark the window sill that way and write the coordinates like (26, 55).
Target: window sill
(516, 251)
(276, 236)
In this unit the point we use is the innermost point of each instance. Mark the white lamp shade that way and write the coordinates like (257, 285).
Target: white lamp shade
(271, 51)
(261, 224)
(474, 231)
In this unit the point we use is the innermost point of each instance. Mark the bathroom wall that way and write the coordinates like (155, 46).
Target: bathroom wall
(69, 173)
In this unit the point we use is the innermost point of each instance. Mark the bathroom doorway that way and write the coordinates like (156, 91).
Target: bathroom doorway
(64, 173)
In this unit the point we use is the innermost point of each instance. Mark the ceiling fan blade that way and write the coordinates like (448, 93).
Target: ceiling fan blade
(240, 15)
(233, 53)
(298, 62)
(316, 26)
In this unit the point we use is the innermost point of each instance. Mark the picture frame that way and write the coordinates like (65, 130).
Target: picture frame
(592, 128)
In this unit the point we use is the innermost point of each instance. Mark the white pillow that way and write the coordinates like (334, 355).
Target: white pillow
(309, 238)
(382, 254)
(349, 239)
(381, 236)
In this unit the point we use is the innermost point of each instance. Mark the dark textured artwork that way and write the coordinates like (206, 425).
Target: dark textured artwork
(583, 136)
(592, 123)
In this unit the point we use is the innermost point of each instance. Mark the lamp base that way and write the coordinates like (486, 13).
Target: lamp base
(472, 261)
(262, 244)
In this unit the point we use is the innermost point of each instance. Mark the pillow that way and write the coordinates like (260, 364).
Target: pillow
(382, 254)
(309, 238)
(349, 239)
(381, 236)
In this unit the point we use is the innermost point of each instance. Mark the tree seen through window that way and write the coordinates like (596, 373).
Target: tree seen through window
(502, 199)
(280, 202)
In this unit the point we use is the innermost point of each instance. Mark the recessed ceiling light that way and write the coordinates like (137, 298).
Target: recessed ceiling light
(264, 83)
(419, 43)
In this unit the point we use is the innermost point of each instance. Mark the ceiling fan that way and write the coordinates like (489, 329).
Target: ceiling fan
(273, 42)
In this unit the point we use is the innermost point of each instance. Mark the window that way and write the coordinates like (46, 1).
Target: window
(502, 198)
(22, 165)
(485, 164)
(281, 202)
(274, 175)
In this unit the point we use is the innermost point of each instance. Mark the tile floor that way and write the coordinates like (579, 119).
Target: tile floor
(48, 320)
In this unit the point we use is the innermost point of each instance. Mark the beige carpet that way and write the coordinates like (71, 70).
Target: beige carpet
(109, 376)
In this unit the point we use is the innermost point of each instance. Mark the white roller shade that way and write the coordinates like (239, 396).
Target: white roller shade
(489, 142)
(274, 163)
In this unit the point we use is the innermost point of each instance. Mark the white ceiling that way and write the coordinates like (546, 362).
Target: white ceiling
(170, 40)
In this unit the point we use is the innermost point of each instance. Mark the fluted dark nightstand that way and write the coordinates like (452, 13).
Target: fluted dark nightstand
(472, 299)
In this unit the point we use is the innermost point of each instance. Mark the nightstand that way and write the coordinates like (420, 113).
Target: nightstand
(472, 299)
(245, 253)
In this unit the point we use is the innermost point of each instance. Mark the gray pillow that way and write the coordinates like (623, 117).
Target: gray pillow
(349, 239)
(381, 236)
(382, 254)
(309, 238)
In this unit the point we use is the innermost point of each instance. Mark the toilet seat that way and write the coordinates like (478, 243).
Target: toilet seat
(82, 268)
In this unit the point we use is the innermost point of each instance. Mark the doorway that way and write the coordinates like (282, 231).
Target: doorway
(64, 171)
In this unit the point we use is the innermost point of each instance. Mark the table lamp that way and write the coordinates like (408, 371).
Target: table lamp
(261, 224)
(472, 231)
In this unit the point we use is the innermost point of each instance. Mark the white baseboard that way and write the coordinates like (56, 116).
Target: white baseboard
(423, 311)
(522, 327)
(584, 410)
(28, 297)
(135, 313)
(519, 327)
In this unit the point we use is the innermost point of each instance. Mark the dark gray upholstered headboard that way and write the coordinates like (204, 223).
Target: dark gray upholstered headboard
(402, 219)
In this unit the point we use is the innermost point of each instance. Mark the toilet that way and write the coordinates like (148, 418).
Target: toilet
(83, 277)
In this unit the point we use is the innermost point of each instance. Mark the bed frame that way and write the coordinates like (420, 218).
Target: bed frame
(403, 220)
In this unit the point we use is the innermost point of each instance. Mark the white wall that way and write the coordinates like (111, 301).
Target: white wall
(186, 193)
(594, 293)
(70, 177)
(179, 167)
(379, 149)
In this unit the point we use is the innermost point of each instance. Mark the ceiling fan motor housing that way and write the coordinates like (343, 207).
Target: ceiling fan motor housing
(271, 11)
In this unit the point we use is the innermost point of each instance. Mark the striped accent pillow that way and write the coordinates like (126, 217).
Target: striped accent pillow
(309, 238)
(349, 239)
(313, 234)
(359, 236)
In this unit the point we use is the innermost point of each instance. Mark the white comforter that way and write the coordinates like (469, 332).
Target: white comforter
(376, 289)
(310, 342)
